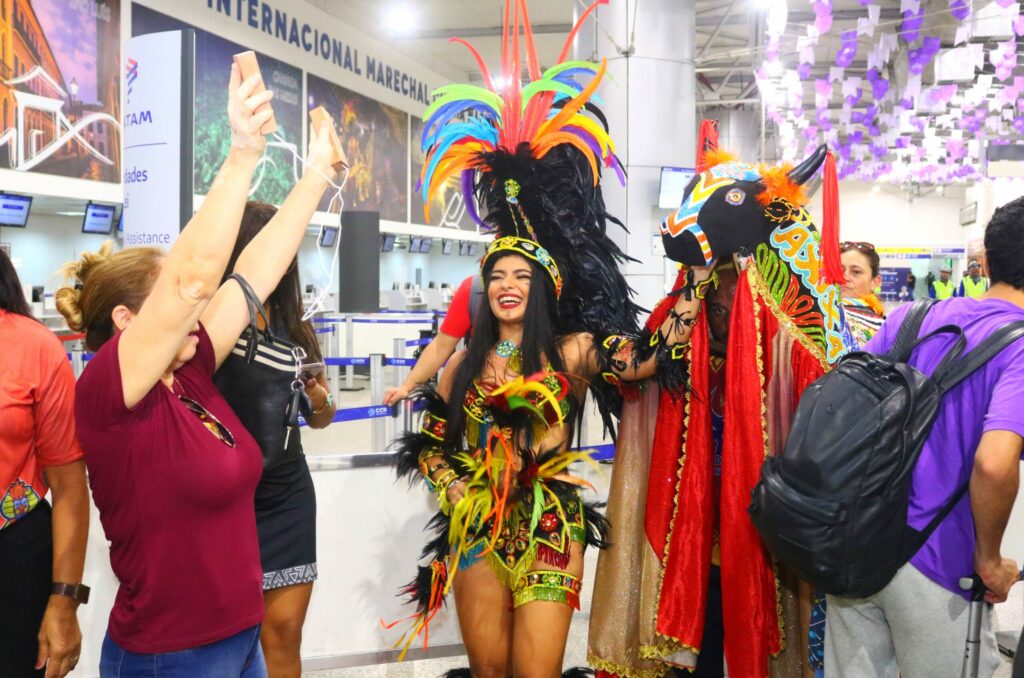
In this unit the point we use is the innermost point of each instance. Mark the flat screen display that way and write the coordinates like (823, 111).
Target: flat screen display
(425, 245)
(463, 248)
(673, 186)
(99, 219)
(415, 242)
(14, 209)
(120, 222)
(328, 236)
(446, 246)
(387, 243)
(474, 249)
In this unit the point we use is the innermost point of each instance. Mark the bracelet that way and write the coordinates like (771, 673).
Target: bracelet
(327, 405)
(446, 479)
(700, 290)
(440, 465)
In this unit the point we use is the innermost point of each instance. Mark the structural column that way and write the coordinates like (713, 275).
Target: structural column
(649, 97)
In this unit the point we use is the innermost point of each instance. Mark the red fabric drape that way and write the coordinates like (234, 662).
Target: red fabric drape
(684, 583)
(748, 591)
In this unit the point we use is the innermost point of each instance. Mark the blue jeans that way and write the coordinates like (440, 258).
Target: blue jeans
(239, 656)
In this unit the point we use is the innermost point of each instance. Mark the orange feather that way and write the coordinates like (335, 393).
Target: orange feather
(778, 184)
(717, 157)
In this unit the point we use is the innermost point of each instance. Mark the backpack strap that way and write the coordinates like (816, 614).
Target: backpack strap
(909, 330)
(950, 376)
(920, 537)
(988, 349)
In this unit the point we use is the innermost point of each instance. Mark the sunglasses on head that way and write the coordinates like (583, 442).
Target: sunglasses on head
(860, 246)
(211, 422)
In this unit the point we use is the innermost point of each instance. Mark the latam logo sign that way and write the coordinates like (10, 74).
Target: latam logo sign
(131, 75)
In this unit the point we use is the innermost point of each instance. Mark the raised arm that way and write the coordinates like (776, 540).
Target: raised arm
(266, 258)
(192, 271)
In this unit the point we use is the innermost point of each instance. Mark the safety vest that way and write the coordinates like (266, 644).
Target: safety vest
(943, 290)
(975, 289)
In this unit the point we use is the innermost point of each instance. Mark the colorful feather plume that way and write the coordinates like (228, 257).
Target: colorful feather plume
(465, 122)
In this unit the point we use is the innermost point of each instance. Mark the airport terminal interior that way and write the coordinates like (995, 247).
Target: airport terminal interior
(827, 162)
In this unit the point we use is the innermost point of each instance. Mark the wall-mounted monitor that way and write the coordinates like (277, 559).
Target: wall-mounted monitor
(415, 242)
(446, 246)
(425, 245)
(474, 249)
(387, 242)
(14, 209)
(463, 248)
(120, 222)
(98, 219)
(673, 186)
(328, 236)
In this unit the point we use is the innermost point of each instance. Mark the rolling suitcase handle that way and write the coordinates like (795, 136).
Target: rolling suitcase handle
(972, 646)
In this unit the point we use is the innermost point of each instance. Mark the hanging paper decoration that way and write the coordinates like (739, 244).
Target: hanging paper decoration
(848, 52)
(905, 129)
(960, 9)
(910, 27)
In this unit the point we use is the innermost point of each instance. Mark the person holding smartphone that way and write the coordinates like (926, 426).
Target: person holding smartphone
(285, 498)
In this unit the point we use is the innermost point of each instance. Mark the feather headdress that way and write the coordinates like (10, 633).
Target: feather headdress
(548, 139)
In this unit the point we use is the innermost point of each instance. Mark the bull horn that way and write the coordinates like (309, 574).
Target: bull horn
(805, 170)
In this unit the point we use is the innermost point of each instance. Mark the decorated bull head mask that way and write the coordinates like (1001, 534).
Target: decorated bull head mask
(733, 207)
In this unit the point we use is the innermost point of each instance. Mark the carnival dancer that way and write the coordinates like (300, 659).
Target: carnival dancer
(555, 321)
(785, 328)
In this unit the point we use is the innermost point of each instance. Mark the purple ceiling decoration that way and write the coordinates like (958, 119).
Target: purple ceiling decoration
(922, 56)
(848, 52)
(915, 127)
(910, 27)
(960, 9)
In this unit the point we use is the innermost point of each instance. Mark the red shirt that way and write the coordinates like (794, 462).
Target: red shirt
(176, 504)
(37, 400)
(457, 321)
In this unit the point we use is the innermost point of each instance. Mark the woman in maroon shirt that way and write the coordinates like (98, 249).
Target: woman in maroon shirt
(172, 470)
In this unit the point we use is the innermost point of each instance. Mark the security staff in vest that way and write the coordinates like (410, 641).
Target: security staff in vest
(974, 284)
(943, 288)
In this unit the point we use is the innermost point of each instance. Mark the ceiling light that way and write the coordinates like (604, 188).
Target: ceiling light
(401, 20)
(876, 189)
(70, 214)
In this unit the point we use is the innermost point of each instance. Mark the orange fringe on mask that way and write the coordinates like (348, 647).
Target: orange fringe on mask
(717, 157)
(777, 184)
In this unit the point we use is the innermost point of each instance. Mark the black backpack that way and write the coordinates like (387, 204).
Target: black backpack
(833, 506)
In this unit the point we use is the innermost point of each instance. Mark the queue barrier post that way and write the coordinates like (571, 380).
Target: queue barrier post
(76, 361)
(401, 374)
(379, 430)
(331, 344)
(350, 343)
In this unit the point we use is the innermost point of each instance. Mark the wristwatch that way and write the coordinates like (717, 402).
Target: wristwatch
(78, 592)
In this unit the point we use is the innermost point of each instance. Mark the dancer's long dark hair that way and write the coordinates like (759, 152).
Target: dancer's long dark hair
(285, 302)
(12, 299)
(539, 347)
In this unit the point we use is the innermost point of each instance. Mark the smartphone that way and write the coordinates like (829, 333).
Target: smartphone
(309, 371)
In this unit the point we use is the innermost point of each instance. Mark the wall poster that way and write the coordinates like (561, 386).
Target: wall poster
(60, 84)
